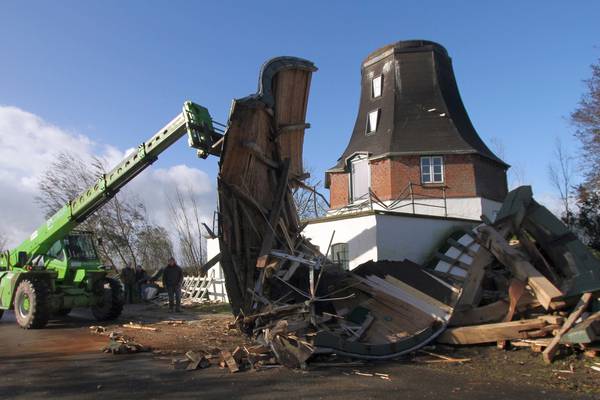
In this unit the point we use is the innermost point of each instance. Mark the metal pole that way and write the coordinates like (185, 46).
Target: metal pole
(445, 205)
(412, 197)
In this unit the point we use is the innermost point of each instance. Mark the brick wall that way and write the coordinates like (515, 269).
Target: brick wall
(465, 175)
(338, 190)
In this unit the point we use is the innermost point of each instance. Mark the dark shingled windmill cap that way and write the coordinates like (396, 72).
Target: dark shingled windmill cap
(420, 108)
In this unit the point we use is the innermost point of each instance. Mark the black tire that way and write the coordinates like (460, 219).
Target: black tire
(110, 305)
(32, 309)
(63, 312)
(1, 312)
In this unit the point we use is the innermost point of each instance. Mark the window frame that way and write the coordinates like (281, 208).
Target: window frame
(431, 172)
(345, 263)
(368, 125)
(373, 96)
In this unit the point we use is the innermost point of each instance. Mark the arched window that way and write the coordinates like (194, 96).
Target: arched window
(339, 255)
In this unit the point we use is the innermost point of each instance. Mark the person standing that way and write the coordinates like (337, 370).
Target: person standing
(172, 278)
(127, 276)
(141, 278)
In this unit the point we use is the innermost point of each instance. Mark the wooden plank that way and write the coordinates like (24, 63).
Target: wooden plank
(548, 354)
(521, 268)
(489, 333)
(471, 291)
(278, 200)
(405, 297)
(290, 114)
(417, 293)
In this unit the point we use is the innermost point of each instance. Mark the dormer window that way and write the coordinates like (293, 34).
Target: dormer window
(373, 120)
(377, 84)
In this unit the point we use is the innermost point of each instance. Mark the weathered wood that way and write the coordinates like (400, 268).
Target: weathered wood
(290, 115)
(587, 331)
(548, 354)
(211, 263)
(521, 268)
(540, 261)
(255, 149)
(489, 333)
(276, 207)
(229, 361)
(471, 290)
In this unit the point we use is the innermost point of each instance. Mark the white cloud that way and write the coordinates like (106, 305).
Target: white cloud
(28, 145)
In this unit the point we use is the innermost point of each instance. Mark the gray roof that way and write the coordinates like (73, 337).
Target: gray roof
(421, 109)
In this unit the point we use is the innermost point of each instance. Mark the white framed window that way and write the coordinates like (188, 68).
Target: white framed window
(432, 169)
(360, 177)
(339, 255)
(373, 120)
(376, 86)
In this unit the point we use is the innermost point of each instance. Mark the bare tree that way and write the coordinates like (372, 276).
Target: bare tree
(586, 118)
(119, 223)
(185, 215)
(560, 173)
(310, 203)
(154, 248)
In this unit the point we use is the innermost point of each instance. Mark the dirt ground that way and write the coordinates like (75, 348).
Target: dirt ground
(65, 360)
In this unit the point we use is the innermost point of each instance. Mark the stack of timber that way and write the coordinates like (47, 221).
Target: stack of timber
(286, 294)
(525, 279)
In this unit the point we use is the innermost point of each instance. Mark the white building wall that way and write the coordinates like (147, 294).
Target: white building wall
(413, 238)
(385, 236)
(217, 291)
(359, 232)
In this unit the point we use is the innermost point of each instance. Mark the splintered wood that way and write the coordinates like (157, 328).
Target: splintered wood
(261, 159)
(294, 300)
(284, 292)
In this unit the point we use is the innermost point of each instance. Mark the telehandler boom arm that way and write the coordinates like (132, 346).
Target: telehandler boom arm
(194, 120)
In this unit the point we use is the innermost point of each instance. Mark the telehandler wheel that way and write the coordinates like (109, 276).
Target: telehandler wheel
(31, 304)
(111, 303)
(1, 312)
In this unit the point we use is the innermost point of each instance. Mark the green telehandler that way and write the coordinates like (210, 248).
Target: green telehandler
(57, 268)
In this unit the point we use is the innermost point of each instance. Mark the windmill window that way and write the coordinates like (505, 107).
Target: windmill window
(339, 255)
(373, 120)
(432, 169)
(377, 85)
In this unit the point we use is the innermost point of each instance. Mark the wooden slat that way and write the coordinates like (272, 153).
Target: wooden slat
(490, 333)
(548, 354)
(521, 268)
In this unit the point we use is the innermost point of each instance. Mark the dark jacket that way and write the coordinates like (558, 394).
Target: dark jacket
(141, 276)
(127, 276)
(172, 276)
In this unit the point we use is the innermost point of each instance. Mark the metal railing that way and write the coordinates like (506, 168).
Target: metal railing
(408, 197)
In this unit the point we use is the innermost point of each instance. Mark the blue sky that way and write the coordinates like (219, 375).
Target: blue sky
(116, 71)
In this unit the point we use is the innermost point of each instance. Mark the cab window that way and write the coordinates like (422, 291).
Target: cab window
(80, 248)
(56, 251)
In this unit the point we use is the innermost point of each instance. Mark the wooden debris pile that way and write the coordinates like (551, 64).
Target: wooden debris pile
(285, 293)
(294, 301)
(526, 280)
